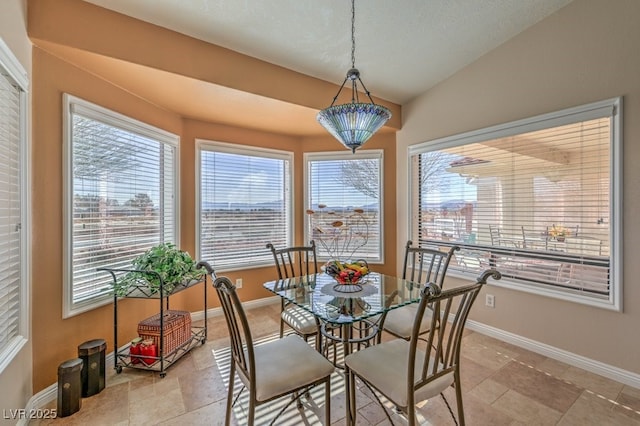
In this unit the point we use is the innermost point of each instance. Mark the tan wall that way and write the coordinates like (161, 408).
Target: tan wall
(84, 26)
(56, 339)
(584, 53)
(16, 379)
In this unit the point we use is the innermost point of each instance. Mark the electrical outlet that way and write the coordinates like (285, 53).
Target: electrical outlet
(490, 301)
(238, 282)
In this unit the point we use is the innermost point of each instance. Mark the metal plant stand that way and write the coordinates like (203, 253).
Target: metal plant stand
(143, 290)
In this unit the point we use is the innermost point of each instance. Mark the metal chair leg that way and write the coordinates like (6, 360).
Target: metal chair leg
(459, 397)
(327, 403)
(232, 373)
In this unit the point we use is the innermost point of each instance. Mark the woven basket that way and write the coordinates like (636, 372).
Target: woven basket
(177, 330)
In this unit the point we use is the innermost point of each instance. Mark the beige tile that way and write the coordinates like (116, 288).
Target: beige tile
(201, 388)
(473, 373)
(479, 413)
(435, 412)
(595, 383)
(219, 344)
(203, 356)
(151, 389)
(538, 386)
(628, 403)
(530, 358)
(157, 408)
(110, 406)
(591, 409)
(217, 329)
(212, 415)
(338, 401)
(631, 391)
(488, 391)
(526, 410)
(139, 380)
(371, 414)
(553, 367)
(181, 366)
(479, 352)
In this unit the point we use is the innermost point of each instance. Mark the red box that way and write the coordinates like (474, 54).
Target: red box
(177, 330)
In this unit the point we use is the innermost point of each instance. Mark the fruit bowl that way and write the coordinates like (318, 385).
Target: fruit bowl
(347, 272)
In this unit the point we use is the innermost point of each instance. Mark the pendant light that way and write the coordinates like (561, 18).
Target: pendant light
(353, 123)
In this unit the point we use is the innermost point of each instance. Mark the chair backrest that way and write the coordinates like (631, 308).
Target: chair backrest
(450, 311)
(295, 261)
(239, 332)
(426, 265)
(494, 233)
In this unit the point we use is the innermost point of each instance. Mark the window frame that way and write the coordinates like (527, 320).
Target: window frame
(106, 116)
(606, 108)
(16, 72)
(246, 150)
(341, 155)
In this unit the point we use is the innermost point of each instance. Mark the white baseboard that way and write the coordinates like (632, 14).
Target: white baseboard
(251, 304)
(39, 400)
(597, 367)
(50, 393)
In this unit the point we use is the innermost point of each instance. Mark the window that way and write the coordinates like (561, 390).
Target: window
(245, 202)
(14, 224)
(344, 204)
(538, 199)
(121, 197)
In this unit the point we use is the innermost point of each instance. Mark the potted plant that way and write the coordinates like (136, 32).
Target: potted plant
(167, 263)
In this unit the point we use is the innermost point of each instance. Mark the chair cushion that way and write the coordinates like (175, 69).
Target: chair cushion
(400, 321)
(300, 320)
(285, 365)
(385, 366)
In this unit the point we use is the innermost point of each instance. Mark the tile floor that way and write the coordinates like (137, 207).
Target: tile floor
(502, 385)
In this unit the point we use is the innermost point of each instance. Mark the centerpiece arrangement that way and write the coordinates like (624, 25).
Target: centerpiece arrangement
(558, 232)
(347, 273)
(340, 234)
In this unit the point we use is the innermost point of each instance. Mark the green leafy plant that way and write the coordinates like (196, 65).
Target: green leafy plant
(174, 266)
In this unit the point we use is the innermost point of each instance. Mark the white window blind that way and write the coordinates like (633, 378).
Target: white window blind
(122, 197)
(245, 202)
(537, 205)
(344, 204)
(14, 207)
(10, 208)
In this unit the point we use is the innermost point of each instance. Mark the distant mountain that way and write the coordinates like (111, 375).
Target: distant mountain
(277, 205)
(448, 205)
(366, 207)
(269, 205)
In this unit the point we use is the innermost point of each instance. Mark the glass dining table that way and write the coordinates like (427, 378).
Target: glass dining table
(345, 308)
(343, 305)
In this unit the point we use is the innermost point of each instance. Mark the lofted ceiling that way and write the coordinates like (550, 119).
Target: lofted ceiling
(403, 48)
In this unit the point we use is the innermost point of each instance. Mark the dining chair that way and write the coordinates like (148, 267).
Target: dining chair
(496, 235)
(269, 370)
(532, 240)
(294, 262)
(421, 265)
(513, 238)
(407, 372)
